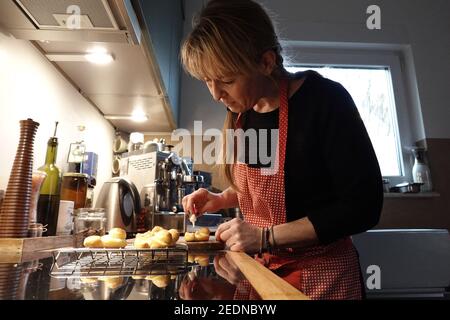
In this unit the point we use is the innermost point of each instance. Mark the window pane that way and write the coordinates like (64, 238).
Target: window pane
(371, 89)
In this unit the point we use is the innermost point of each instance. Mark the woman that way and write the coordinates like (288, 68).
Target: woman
(327, 185)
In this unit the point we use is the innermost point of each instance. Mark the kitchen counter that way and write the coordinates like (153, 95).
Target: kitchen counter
(207, 276)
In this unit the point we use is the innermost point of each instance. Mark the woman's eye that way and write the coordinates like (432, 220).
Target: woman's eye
(227, 81)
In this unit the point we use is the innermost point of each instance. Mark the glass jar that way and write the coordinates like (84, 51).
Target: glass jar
(74, 188)
(90, 221)
(35, 230)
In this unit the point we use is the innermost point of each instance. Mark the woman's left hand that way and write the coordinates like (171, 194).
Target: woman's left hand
(239, 235)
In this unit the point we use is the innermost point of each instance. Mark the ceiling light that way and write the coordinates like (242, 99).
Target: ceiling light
(136, 118)
(139, 116)
(99, 57)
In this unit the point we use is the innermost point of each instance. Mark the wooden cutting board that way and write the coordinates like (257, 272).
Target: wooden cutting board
(211, 244)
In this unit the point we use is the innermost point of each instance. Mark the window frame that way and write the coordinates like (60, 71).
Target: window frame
(392, 59)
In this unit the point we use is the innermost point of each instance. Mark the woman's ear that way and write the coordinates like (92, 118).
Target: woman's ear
(268, 62)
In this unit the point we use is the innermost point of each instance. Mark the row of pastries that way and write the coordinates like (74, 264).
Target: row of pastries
(156, 238)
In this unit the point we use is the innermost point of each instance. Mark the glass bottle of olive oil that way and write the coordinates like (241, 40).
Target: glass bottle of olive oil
(48, 204)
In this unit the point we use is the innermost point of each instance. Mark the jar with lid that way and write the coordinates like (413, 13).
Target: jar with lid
(74, 188)
(90, 221)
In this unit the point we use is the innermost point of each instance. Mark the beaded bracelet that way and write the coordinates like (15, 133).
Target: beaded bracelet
(274, 245)
(261, 244)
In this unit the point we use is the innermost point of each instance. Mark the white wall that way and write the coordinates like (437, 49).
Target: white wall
(31, 87)
(422, 25)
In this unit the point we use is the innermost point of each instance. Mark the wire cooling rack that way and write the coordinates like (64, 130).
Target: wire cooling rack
(129, 261)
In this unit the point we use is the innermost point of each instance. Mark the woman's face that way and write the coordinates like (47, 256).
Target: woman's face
(238, 93)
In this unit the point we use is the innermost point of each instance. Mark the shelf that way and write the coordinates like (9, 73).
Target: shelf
(420, 195)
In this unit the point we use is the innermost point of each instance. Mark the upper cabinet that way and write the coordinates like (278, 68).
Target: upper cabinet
(163, 24)
(142, 39)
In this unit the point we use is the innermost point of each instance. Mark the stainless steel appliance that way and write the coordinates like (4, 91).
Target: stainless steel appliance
(163, 179)
(122, 204)
(409, 263)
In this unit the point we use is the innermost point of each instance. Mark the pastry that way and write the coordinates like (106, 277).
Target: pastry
(202, 260)
(163, 236)
(118, 233)
(141, 243)
(175, 235)
(112, 282)
(157, 238)
(93, 242)
(88, 280)
(110, 242)
(160, 281)
(158, 243)
(189, 236)
(156, 229)
(202, 234)
(204, 230)
(147, 234)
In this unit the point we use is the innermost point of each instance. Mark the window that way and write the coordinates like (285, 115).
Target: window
(371, 89)
(374, 82)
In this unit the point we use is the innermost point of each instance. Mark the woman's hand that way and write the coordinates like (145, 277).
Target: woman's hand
(239, 235)
(227, 269)
(202, 201)
(205, 289)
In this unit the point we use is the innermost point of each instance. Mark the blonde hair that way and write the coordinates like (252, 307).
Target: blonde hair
(229, 38)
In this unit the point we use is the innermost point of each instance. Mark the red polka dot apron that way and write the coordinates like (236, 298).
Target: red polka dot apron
(321, 272)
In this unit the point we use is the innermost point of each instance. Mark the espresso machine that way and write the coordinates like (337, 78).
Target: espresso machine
(162, 178)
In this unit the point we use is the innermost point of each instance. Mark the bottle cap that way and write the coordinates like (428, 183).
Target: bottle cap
(53, 141)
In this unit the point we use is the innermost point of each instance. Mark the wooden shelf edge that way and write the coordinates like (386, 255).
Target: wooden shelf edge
(266, 283)
(25, 245)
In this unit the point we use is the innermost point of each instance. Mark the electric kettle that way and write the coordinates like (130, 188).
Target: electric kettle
(122, 204)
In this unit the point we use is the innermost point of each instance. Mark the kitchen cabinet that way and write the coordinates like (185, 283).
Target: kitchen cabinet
(164, 23)
(143, 38)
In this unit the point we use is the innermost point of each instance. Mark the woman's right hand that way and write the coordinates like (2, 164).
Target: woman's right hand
(201, 201)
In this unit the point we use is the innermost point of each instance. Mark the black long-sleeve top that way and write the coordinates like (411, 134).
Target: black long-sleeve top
(332, 175)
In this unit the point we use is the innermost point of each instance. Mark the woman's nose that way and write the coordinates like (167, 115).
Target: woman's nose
(215, 90)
